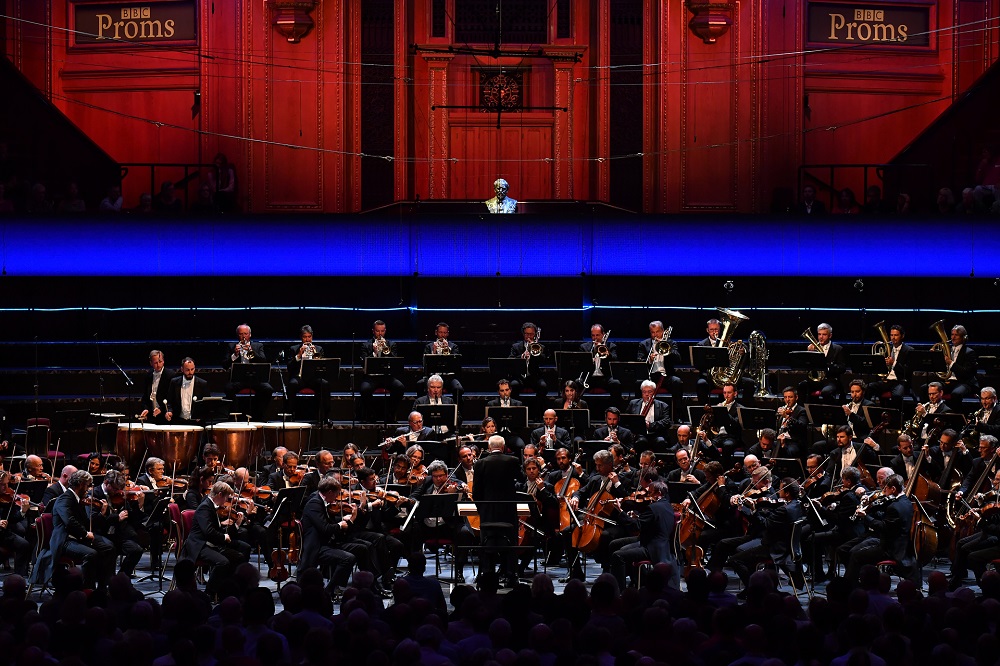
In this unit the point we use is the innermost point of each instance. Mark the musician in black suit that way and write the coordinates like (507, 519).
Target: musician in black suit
(964, 366)
(612, 432)
(376, 516)
(889, 532)
(705, 383)
(849, 451)
(14, 527)
(244, 350)
(439, 482)
(435, 396)
(765, 449)
(684, 473)
(982, 547)
(730, 435)
(600, 374)
(685, 442)
(950, 461)
(324, 533)
(183, 393)
(71, 537)
(988, 418)
(775, 540)
(566, 468)
(504, 398)
(496, 502)
(604, 480)
(792, 423)
(656, 532)
(212, 539)
(378, 347)
(854, 410)
(538, 487)
(413, 431)
(897, 379)
(155, 385)
(118, 523)
(904, 463)
(829, 387)
(550, 436)
(657, 415)
(57, 487)
(442, 345)
(930, 410)
(532, 377)
(661, 370)
(569, 398)
(983, 467)
(841, 526)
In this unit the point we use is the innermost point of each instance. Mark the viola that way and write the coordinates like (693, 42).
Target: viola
(250, 491)
(299, 473)
(167, 482)
(8, 495)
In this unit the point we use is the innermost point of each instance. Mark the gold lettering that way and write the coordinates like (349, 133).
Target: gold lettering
(879, 15)
(850, 31)
(118, 24)
(144, 13)
(135, 30)
(902, 34)
(150, 24)
(168, 28)
(868, 31)
(836, 23)
(102, 26)
(884, 32)
(859, 15)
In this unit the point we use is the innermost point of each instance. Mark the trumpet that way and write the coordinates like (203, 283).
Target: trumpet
(380, 347)
(441, 347)
(308, 354)
(244, 351)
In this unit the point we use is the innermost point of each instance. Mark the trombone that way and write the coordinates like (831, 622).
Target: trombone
(533, 348)
(814, 375)
(883, 348)
(307, 355)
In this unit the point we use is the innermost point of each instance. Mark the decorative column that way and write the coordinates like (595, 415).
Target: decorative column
(438, 129)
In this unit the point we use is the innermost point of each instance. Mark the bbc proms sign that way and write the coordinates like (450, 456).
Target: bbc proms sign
(877, 25)
(130, 22)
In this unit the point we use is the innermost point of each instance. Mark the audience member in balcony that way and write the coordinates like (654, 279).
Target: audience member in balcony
(988, 171)
(874, 203)
(113, 202)
(903, 204)
(222, 181)
(810, 205)
(204, 205)
(6, 205)
(945, 201)
(72, 202)
(145, 206)
(39, 202)
(167, 202)
(847, 203)
(968, 205)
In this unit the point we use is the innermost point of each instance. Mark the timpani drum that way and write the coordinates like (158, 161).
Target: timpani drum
(177, 445)
(132, 441)
(293, 435)
(239, 443)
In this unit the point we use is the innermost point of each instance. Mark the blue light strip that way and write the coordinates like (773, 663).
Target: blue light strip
(525, 246)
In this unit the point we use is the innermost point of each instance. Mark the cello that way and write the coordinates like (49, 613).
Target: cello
(565, 488)
(587, 535)
(693, 522)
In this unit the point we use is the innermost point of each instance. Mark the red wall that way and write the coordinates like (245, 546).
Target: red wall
(723, 124)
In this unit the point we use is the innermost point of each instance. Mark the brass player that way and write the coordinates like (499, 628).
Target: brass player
(661, 370)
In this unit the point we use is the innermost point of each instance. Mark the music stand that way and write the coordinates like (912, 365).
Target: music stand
(573, 365)
(508, 418)
(574, 420)
(33, 489)
(706, 358)
(435, 450)
(442, 364)
(791, 467)
(443, 506)
(807, 360)
(752, 419)
(632, 372)
(589, 448)
(868, 364)
(383, 365)
(252, 374)
(873, 416)
(439, 415)
(926, 361)
(549, 456)
(695, 412)
(288, 501)
(212, 409)
(508, 368)
(634, 422)
(826, 415)
(679, 490)
(954, 420)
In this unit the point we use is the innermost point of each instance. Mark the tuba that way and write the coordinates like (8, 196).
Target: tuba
(814, 375)
(737, 350)
(883, 348)
(944, 347)
(757, 365)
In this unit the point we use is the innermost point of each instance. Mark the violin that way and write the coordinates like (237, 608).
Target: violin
(295, 478)
(8, 495)
(119, 498)
(250, 491)
(167, 482)
(417, 475)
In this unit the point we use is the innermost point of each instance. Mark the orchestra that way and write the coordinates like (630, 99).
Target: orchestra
(862, 494)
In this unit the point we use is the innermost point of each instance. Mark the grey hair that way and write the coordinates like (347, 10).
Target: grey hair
(435, 466)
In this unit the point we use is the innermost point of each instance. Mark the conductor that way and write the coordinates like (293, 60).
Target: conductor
(493, 492)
